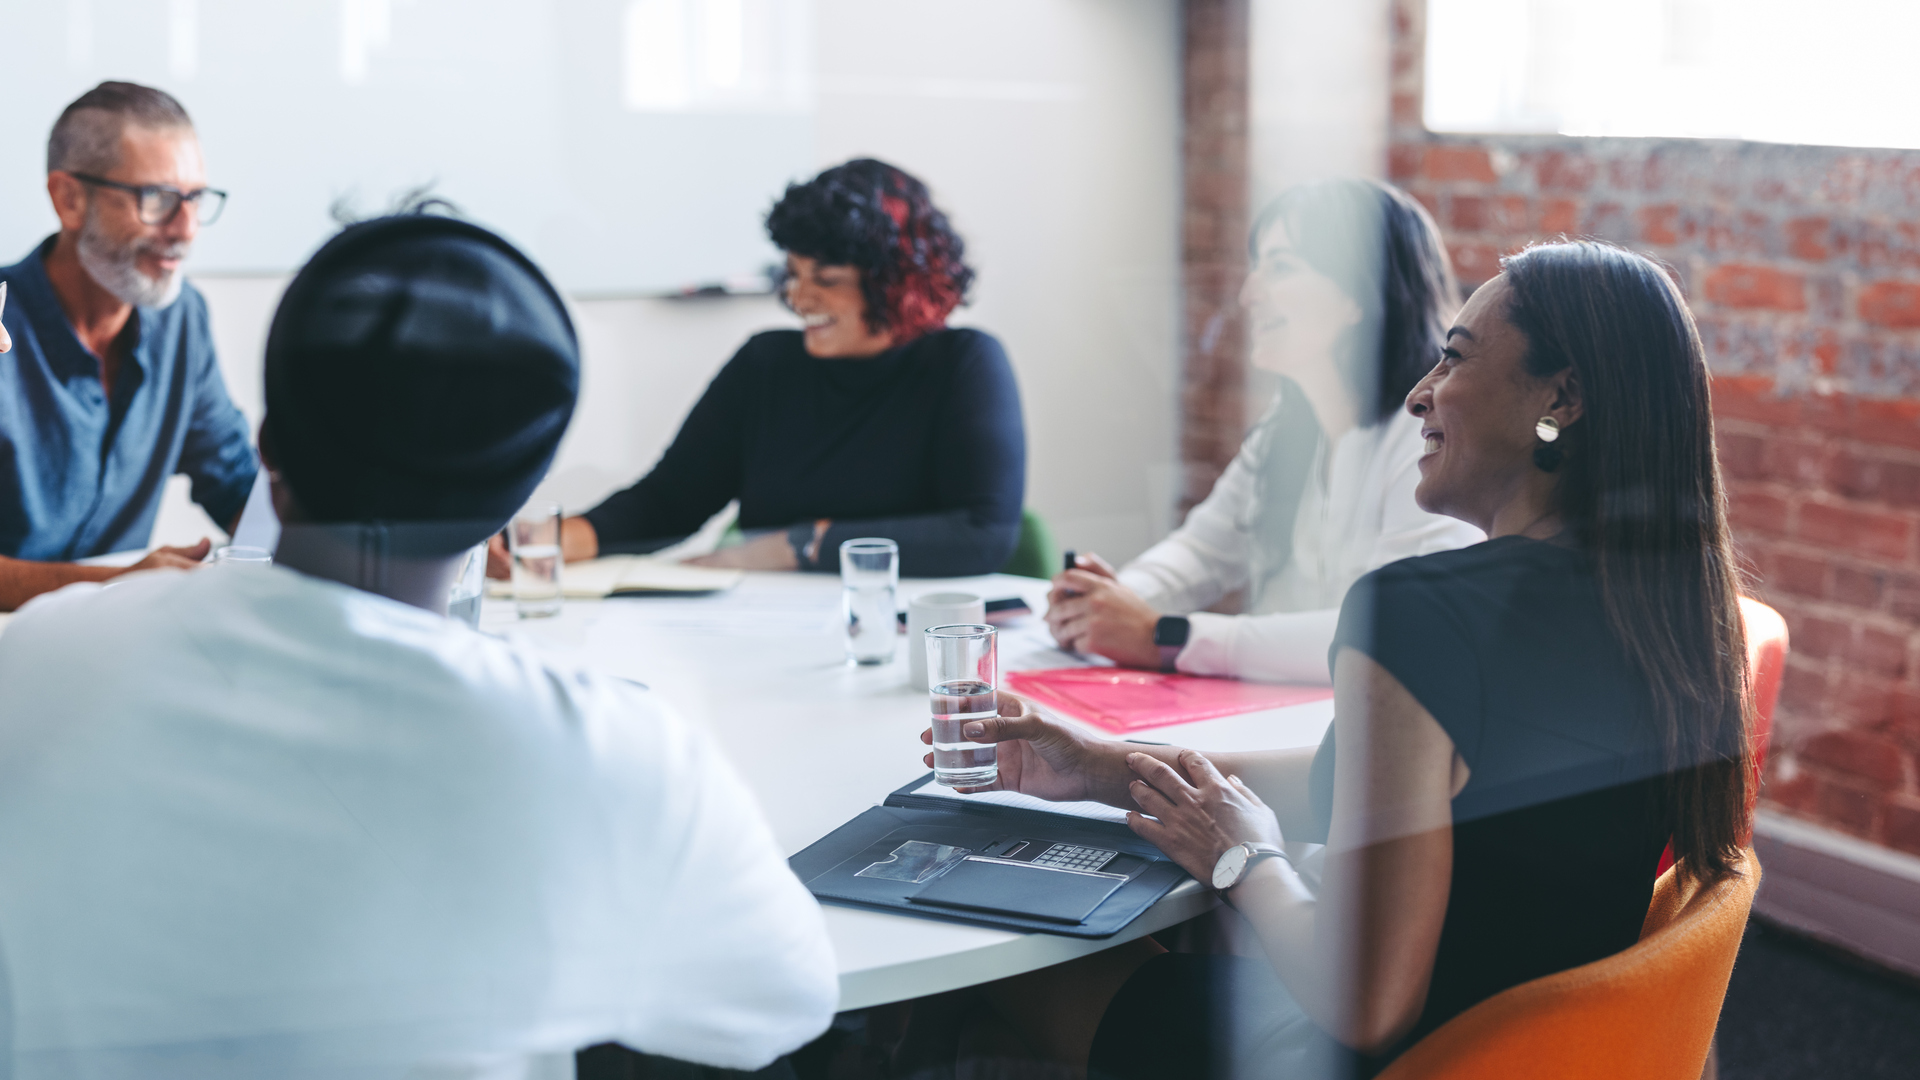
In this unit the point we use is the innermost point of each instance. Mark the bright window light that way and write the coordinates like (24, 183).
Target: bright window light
(1829, 72)
(717, 55)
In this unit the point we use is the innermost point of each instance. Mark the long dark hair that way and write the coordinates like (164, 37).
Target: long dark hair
(1640, 487)
(881, 219)
(1384, 251)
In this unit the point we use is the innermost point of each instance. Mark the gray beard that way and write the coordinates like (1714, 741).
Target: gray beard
(112, 266)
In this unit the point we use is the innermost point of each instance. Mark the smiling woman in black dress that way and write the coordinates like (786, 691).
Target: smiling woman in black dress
(873, 419)
(1519, 726)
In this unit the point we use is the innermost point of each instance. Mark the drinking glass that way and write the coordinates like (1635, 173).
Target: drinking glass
(869, 575)
(963, 674)
(469, 585)
(533, 539)
(240, 554)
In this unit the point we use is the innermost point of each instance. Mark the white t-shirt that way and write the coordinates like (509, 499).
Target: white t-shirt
(257, 824)
(1356, 514)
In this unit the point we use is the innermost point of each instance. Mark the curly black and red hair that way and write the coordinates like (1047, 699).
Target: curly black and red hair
(879, 219)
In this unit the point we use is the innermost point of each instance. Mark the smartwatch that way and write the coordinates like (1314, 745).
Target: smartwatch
(1233, 862)
(1170, 636)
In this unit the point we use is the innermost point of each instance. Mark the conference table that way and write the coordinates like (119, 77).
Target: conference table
(762, 668)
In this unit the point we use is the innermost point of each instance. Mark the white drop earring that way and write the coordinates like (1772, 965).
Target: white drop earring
(1547, 428)
(1547, 457)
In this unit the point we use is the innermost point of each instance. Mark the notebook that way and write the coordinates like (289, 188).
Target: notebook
(634, 575)
(1013, 863)
(1122, 700)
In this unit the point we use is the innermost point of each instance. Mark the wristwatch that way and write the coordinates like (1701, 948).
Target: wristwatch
(1170, 636)
(1235, 860)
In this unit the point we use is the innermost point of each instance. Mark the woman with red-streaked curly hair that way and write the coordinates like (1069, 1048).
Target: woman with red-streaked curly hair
(873, 419)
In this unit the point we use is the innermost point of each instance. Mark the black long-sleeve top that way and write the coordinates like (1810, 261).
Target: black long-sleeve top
(922, 444)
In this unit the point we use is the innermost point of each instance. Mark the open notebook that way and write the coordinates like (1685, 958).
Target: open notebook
(634, 575)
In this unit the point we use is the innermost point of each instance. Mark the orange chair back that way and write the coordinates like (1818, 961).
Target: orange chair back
(1644, 1014)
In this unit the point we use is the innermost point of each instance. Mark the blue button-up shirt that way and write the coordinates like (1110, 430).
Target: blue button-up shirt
(81, 475)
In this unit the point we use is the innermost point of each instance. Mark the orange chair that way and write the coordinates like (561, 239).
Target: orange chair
(1766, 664)
(1645, 1014)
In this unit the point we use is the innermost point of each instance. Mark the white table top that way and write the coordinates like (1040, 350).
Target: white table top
(819, 741)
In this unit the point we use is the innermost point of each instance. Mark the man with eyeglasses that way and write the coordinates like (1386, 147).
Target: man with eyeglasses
(112, 385)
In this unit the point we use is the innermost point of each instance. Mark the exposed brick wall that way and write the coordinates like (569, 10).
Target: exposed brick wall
(1802, 265)
(1213, 230)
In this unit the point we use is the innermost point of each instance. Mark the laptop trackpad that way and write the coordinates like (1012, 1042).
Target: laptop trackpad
(1012, 888)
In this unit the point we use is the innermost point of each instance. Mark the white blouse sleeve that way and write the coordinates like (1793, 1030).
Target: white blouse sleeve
(1292, 646)
(1207, 557)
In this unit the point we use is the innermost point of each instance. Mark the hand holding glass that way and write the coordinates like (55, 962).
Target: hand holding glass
(963, 676)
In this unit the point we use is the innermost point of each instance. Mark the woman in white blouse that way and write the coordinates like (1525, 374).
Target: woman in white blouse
(1347, 300)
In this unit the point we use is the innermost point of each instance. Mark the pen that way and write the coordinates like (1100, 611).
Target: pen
(1073, 562)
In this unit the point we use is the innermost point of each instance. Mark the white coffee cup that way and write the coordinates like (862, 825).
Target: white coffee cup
(936, 609)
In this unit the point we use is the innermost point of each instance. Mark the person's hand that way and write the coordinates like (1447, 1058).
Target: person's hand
(499, 561)
(768, 551)
(173, 558)
(1196, 817)
(1089, 611)
(1040, 758)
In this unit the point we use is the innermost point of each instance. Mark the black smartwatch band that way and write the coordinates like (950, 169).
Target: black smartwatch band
(1170, 636)
(800, 538)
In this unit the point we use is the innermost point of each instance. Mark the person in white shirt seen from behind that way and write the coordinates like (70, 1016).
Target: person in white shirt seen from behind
(293, 821)
(1347, 300)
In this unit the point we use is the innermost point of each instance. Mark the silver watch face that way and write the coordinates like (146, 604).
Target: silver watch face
(1233, 862)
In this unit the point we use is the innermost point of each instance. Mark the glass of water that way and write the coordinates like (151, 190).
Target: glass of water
(869, 576)
(963, 674)
(533, 539)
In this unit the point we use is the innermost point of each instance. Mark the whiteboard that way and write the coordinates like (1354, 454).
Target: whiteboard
(629, 146)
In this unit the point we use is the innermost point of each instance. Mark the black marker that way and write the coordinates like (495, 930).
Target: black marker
(1073, 563)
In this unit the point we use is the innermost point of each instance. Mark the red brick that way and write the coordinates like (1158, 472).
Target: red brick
(1558, 170)
(1657, 224)
(1800, 462)
(1878, 479)
(1510, 213)
(1803, 689)
(1892, 304)
(1820, 638)
(1403, 162)
(1807, 239)
(1886, 422)
(1879, 652)
(1756, 512)
(1738, 285)
(1741, 456)
(1458, 163)
(1903, 591)
(1559, 216)
(1859, 588)
(1845, 807)
(1475, 263)
(1406, 110)
(1753, 397)
(1797, 574)
(1866, 758)
(1900, 823)
(1871, 533)
(1467, 213)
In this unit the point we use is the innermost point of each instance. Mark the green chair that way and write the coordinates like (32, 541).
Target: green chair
(1035, 556)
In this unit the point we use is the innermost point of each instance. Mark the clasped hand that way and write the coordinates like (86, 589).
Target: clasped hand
(1090, 611)
(1175, 799)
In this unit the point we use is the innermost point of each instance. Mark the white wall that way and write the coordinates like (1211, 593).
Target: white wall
(1049, 130)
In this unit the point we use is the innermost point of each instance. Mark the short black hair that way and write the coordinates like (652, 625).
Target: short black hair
(879, 219)
(1383, 249)
(86, 138)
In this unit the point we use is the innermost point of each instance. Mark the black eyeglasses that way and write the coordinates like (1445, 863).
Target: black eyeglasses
(158, 203)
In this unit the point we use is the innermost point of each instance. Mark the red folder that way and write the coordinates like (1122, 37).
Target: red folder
(1122, 699)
